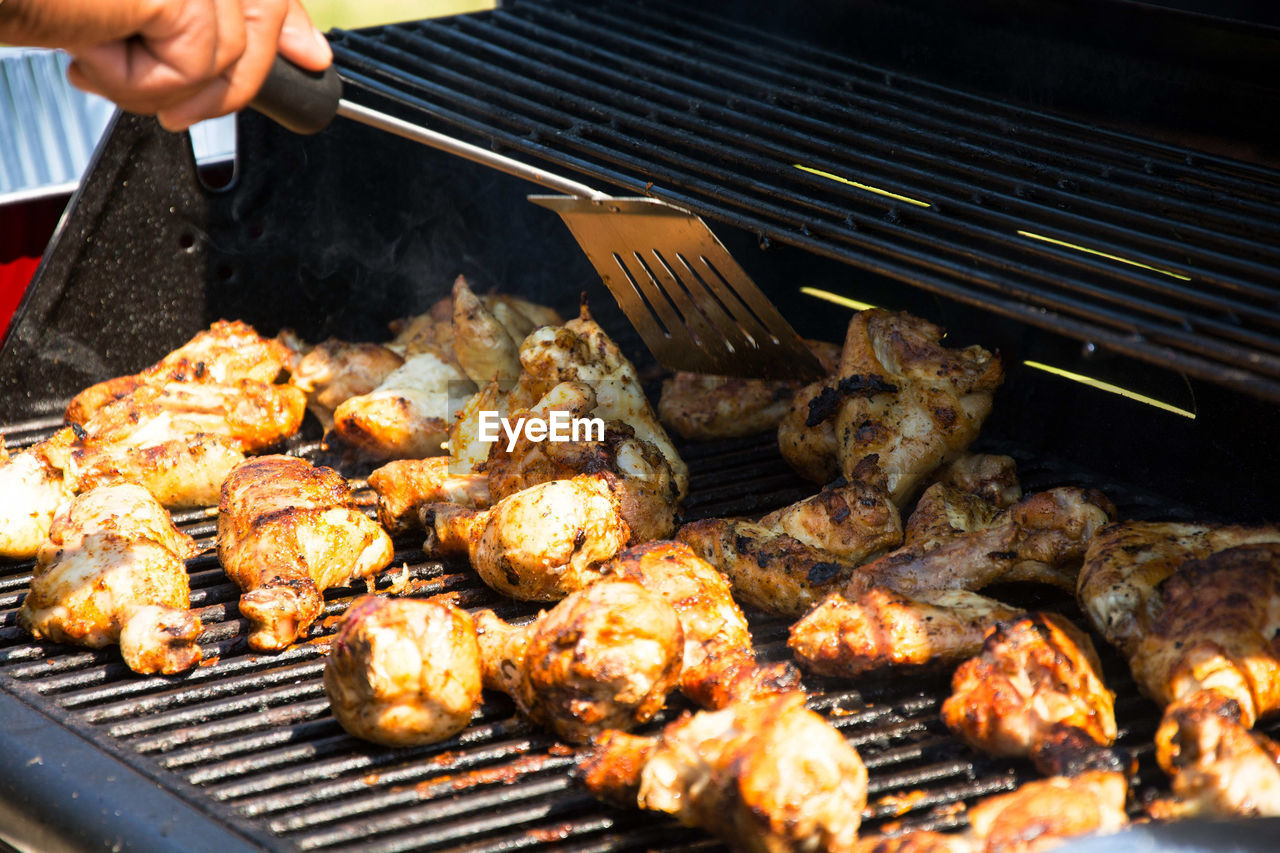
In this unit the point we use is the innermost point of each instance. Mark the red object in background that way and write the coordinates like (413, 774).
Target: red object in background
(25, 229)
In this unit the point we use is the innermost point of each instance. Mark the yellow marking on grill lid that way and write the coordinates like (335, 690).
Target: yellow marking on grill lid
(867, 187)
(1110, 388)
(1087, 250)
(836, 298)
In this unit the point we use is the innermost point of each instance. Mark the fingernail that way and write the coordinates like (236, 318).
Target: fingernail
(320, 39)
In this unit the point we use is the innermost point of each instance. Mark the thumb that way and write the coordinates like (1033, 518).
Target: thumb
(301, 43)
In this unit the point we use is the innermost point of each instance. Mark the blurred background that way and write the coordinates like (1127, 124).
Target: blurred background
(347, 14)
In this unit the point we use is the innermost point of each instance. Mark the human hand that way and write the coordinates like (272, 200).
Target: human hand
(182, 60)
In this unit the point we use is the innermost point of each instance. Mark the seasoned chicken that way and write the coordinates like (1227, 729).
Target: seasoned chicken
(917, 604)
(1035, 691)
(580, 351)
(603, 658)
(992, 477)
(485, 349)
(224, 354)
(403, 672)
(111, 572)
(943, 513)
(287, 531)
(335, 371)
(762, 774)
(768, 570)
(539, 544)
(180, 472)
(1126, 563)
(853, 521)
(850, 636)
(1037, 816)
(33, 485)
(643, 479)
(719, 664)
(807, 432)
(702, 406)
(1218, 767)
(405, 486)
(1213, 627)
(408, 415)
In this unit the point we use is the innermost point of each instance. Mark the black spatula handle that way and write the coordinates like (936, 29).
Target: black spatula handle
(303, 101)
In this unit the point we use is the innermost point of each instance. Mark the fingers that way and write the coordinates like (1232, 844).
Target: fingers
(301, 43)
(235, 88)
(196, 59)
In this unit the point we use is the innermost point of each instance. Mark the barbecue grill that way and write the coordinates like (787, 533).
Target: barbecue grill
(1111, 253)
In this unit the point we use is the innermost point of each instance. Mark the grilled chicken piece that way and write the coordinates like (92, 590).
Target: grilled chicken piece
(702, 406)
(539, 544)
(1213, 627)
(917, 602)
(580, 351)
(335, 371)
(992, 477)
(180, 472)
(485, 349)
(762, 774)
(1126, 563)
(807, 432)
(643, 479)
(403, 672)
(719, 664)
(405, 486)
(603, 658)
(408, 415)
(224, 354)
(33, 485)
(1036, 691)
(287, 531)
(768, 570)
(1039, 814)
(945, 512)
(112, 571)
(853, 521)
(1218, 767)
(879, 628)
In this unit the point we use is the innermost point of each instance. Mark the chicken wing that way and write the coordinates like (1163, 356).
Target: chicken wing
(990, 476)
(403, 672)
(719, 663)
(702, 406)
(848, 637)
(112, 571)
(225, 353)
(405, 486)
(485, 349)
(603, 658)
(287, 531)
(1218, 767)
(853, 521)
(33, 484)
(408, 415)
(1036, 691)
(335, 371)
(807, 432)
(539, 544)
(762, 774)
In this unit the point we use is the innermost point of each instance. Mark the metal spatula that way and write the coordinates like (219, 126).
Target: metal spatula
(694, 306)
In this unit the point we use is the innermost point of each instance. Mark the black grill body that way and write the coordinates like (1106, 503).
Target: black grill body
(339, 233)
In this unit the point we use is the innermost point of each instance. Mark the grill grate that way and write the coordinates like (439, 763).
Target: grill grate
(248, 737)
(1163, 253)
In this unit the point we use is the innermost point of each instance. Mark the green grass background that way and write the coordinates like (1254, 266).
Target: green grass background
(347, 14)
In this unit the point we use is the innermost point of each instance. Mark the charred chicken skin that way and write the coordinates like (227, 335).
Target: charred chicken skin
(539, 544)
(287, 531)
(917, 604)
(702, 406)
(112, 571)
(762, 774)
(719, 664)
(405, 486)
(1035, 691)
(403, 672)
(605, 657)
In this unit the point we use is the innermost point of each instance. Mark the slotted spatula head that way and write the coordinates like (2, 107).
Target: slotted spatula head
(695, 308)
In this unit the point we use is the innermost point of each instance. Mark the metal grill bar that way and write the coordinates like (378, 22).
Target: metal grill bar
(717, 121)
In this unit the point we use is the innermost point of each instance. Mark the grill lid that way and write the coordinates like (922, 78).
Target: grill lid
(1162, 253)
